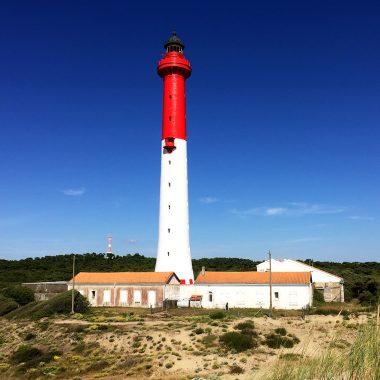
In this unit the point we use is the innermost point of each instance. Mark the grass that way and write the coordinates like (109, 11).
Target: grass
(360, 362)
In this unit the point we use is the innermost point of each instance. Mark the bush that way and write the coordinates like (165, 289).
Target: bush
(32, 356)
(199, 331)
(318, 298)
(29, 336)
(217, 315)
(280, 331)
(59, 304)
(25, 353)
(245, 325)
(21, 294)
(238, 341)
(277, 341)
(7, 305)
(236, 370)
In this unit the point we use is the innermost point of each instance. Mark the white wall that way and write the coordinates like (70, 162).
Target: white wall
(251, 296)
(295, 266)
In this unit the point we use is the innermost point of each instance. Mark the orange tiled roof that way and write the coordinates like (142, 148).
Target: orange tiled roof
(123, 277)
(253, 278)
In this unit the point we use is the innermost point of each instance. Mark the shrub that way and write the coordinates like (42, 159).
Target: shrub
(21, 294)
(199, 331)
(7, 305)
(217, 315)
(237, 341)
(25, 353)
(318, 298)
(280, 331)
(29, 336)
(59, 304)
(245, 325)
(277, 341)
(236, 370)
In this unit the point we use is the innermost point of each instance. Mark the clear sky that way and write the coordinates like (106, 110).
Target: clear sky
(283, 127)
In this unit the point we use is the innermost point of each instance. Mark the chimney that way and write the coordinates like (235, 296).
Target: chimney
(203, 271)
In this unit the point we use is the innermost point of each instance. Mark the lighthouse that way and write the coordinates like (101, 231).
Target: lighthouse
(173, 253)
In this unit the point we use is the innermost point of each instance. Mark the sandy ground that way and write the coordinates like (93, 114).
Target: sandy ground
(174, 351)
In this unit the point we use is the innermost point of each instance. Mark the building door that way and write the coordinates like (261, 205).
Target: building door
(152, 298)
(293, 298)
(93, 294)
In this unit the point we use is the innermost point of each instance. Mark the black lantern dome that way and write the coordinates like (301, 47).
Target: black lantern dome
(174, 43)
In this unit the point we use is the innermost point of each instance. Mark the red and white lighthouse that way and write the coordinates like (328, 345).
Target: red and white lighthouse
(173, 241)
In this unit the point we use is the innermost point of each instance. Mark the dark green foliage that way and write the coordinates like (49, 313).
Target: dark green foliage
(32, 356)
(358, 278)
(29, 336)
(199, 331)
(277, 340)
(280, 331)
(318, 297)
(245, 325)
(237, 341)
(60, 304)
(236, 369)
(217, 315)
(21, 294)
(326, 310)
(25, 353)
(7, 305)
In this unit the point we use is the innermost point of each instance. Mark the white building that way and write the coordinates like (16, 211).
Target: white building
(330, 284)
(252, 290)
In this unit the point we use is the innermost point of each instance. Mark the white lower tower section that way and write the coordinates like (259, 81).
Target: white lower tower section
(173, 238)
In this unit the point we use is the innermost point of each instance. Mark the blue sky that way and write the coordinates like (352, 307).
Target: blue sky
(283, 127)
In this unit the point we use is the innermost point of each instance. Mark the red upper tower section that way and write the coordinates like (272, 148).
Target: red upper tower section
(174, 68)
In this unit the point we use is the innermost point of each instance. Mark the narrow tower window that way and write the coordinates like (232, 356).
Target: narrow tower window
(168, 253)
(169, 184)
(169, 207)
(170, 162)
(170, 96)
(169, 230)
(170, 118)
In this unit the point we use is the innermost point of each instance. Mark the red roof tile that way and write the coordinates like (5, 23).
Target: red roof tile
(123, 277)
(253, 278)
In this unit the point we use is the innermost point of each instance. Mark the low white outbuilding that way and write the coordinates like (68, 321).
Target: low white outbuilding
(328, 283)
(252, 290)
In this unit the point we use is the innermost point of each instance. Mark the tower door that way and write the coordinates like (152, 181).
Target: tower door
(152, 298)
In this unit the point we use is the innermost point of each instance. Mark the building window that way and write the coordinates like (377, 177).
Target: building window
(170, 96)
(169, 230)
(169, 184)
(276, 296)
(169, 207)
(168, 253)
(209, 296)
(93, 294)
(137, 296)
(170, 118)
(170, 162)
